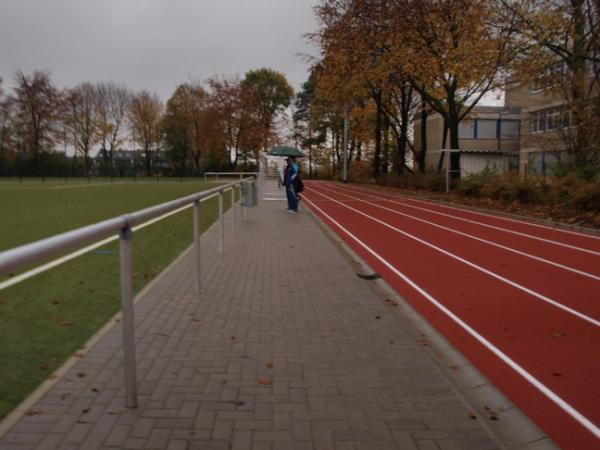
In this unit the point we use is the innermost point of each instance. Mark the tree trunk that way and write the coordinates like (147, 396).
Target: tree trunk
(334, 137)
(386, 145)
(454, 145)
(378, 120)
(421, 155)
(351, 149)
(577, 68)
(402, 141)
(358, 151)
(147, 161)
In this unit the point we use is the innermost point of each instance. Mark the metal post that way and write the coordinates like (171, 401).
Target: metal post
(125, 244)
(242, 200)
(197, 252)
(448, 174)
(221, 223)
(345, 173)
(233, 209)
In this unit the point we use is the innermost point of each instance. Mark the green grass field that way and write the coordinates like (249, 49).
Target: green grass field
(47, 318)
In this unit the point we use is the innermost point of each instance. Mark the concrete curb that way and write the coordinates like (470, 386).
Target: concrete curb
(26, 405)
(511, 429)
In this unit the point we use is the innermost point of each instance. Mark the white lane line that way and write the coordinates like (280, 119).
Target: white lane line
(562, 404)
(585, 250)
(510, 249)
(473, 265)
(63, 259)
(508, 219)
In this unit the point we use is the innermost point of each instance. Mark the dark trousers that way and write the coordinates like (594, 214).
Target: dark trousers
(291, 198)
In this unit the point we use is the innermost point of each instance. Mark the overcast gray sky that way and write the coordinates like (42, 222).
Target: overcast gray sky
(153, 44)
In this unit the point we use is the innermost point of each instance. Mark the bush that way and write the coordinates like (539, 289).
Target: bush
(416, 181)
(573, 191)
(473, 184)
(510, 187)
(361, 172)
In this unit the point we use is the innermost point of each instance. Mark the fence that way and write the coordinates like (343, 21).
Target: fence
(123, 225)
(228, 174)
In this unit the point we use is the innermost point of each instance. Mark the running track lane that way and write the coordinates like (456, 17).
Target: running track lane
(540, 356)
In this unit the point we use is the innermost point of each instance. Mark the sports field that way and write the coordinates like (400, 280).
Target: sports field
(48, 317)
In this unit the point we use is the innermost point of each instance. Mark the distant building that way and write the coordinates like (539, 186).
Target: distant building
(544, 118)
(488, 138)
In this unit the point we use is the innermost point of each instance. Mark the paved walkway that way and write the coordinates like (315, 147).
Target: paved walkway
(286, 349)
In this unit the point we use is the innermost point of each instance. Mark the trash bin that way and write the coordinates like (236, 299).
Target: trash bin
(249, 194)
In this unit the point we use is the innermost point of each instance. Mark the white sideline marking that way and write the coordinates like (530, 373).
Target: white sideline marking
(508, 219)
(495, 227)
(473, 265)
(562, 404)
(63, 259)
(510, 249)
(73, 186)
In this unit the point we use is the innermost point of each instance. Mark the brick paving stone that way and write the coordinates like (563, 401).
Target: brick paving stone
(281, 351)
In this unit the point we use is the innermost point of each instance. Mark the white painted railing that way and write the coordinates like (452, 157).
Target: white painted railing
(35, 252)
(228, 174)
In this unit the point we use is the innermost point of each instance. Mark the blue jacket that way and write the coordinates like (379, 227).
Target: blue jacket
(290, 175)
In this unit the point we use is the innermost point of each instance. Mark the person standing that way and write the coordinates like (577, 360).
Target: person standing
(290, 175)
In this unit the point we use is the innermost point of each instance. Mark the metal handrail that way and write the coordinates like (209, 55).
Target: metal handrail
(241, 174)
(36, 251)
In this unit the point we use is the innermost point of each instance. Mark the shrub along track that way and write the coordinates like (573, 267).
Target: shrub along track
(519, 300)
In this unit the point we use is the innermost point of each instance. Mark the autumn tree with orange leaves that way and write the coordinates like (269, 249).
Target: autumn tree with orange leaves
(360, 65)
(450, 52)
(233, 104)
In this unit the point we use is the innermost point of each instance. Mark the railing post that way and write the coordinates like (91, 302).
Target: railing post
(221, 223)
(242, 200)
(125, 245)
(197, 253)
(233, 209)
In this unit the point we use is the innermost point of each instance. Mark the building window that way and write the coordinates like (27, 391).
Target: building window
(550, 119)
(466, 129)
(592, 65)
(509, 129)
(538, 121)
(487, 128)
(566, 117)
(553, 118)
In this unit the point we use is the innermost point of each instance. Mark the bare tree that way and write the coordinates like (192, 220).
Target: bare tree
(112, 103)
(145, 116)
(80, 120)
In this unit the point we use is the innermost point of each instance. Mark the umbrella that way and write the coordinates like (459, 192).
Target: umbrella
(285, 151)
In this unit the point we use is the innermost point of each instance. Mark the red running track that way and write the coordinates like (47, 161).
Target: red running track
(520, 300)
